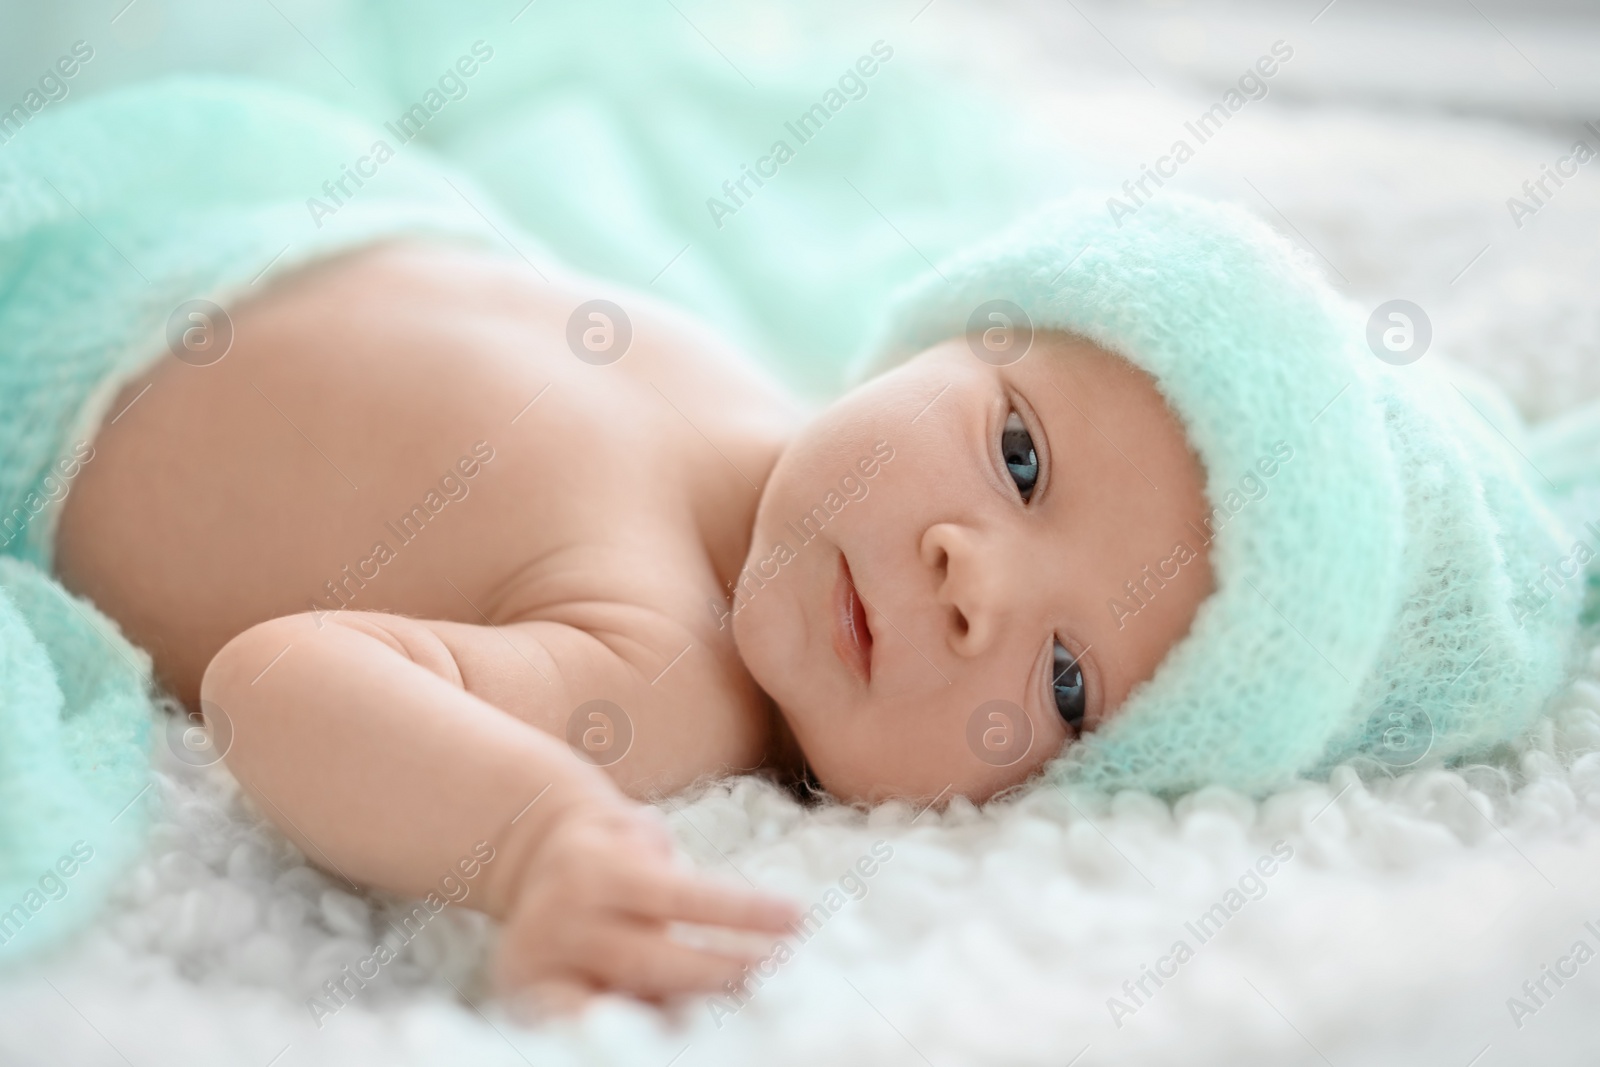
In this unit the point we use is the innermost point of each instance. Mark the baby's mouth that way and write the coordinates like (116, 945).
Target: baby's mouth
(852, 637)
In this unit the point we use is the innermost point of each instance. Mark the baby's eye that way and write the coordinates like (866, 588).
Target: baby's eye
(1016, 448)
(1067, 688)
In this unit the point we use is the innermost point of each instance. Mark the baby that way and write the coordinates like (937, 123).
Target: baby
(468, 563)
(462, 560)
(437, 576)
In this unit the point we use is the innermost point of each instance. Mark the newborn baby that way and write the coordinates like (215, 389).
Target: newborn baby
(461, 562)
(463, 559)
(440, 581)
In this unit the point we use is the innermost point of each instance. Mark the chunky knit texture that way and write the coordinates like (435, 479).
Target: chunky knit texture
(115, 209)
(112, 213)
(1382, 600)
(74, 765)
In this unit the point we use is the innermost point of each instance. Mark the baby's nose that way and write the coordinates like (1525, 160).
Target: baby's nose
(967, 585)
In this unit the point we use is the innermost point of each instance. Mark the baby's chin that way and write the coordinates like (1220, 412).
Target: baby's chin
(760, 652)
(763, 617)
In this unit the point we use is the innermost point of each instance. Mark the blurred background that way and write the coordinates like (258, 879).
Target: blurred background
(1389, 145)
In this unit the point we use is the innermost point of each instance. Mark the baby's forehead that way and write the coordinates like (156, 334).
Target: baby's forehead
(1071, 383)
(1097, 384)
(1058, 354)
(1049, 356)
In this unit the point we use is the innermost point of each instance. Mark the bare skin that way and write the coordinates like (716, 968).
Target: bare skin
(965, 585)
(389, 710)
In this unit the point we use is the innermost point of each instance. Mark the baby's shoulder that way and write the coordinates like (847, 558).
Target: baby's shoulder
(638, 675)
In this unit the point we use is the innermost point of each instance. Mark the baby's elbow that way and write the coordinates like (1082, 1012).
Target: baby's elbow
(415, 639)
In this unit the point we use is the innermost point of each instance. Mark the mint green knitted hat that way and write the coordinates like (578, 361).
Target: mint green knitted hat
(1386, 598)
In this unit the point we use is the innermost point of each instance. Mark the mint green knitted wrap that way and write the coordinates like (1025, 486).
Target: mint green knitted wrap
(1376, 601)
(112, 212)
(590, 143)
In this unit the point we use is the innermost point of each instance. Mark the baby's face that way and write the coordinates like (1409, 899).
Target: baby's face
(930, 588)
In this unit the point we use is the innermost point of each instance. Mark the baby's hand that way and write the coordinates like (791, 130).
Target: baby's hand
(592, 911)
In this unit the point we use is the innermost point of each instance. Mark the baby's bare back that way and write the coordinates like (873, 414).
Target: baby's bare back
(398, 537)
(405, 430)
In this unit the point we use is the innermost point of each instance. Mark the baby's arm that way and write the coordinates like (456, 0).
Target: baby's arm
(364, 743)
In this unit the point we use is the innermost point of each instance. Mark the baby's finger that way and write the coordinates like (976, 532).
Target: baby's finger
(651, 826)
(674, 895)
(723, 940)
(648, 964)
(547, 999)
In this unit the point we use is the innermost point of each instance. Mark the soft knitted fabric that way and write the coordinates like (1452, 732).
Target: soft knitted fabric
(74, 715)
(113, 212)
(1382, 593)
(637, 152)
(117, 210)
